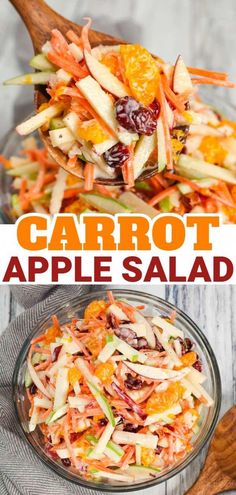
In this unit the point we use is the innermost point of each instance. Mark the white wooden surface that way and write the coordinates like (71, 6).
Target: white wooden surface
(203, 31)
(213, 308)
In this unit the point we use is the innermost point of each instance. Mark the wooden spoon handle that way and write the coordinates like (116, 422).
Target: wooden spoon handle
(39, 19)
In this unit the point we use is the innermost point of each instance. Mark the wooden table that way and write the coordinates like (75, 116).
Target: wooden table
(213, 308)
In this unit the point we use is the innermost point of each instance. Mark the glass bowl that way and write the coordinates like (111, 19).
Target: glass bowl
(12, 145)
(153, 305)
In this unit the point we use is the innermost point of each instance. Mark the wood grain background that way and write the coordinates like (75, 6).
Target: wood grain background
(213, 308)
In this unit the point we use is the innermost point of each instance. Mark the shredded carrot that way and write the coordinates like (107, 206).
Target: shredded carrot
(110, 297)
(55, 322)
(103, 190)
(88, 176)
(208, 73)
(179, 178)
(85, 34)
(74, 38)
(158, 182)
(24, 202)
(59, 43)
(70, 193)
(5, 162)
(39, 181)
(163, 116)
(171, 96)
(163, 194)
(213, 82)
(68, 65)
(128, 310)
(94, 114)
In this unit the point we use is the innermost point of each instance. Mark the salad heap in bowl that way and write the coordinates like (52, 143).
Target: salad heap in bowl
(116, 395)
(115, 113)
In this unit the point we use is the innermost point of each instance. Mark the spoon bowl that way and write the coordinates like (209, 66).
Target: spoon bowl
(219, 471)
(39, 20)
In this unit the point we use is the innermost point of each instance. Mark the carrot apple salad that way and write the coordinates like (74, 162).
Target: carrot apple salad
(204, 179)
(116, 395)
(114, 111)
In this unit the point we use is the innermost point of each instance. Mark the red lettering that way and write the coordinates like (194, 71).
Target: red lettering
(155, 270)
(218, 276)
(37, 264)
(199, 270)
(14, 270)
(60, 264)
(128, 265)
(173, 276)
(99, 268)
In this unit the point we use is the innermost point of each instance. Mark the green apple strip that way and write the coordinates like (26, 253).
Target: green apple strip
(34, 78)
(104, 77)
(102, 402)
(170, 351)
(144, 439)
(193, 167)
(39, 119)
(169, 329)
(99, 100)
(143, 150)
(137, 205)
(156, 373)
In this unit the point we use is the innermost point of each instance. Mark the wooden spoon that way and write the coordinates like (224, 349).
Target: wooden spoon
(39, 20)
(219, 471)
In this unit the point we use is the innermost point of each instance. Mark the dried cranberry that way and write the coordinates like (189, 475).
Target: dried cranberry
(159, 347)
(112, 321)
(102, 422)
(131, 428)
(117, 155)
(128, 335)
(33, 389)
(124, 109)
(135, 117)
(182, 345)
(155, 107)
(145, 121)
(142, 343)
(198, 365)
(171, 428)
(188, 344)
(133, 383)
(66, 462)
(158, 450)
(56, 353)
(74, 436)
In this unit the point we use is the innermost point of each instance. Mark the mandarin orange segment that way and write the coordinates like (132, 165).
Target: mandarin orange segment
(75, 207)
(188, 359)
(94, 308)
(111, 61)
(74, 375)
(212, 150)
(141, 72)
(104, 372)
(51, 334)
(147, 456)
(92, 131)
(159, 402)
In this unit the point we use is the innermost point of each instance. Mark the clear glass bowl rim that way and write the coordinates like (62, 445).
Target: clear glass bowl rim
(215, 374)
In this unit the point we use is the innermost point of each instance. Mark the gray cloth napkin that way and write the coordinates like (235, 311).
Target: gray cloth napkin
(21, 471)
